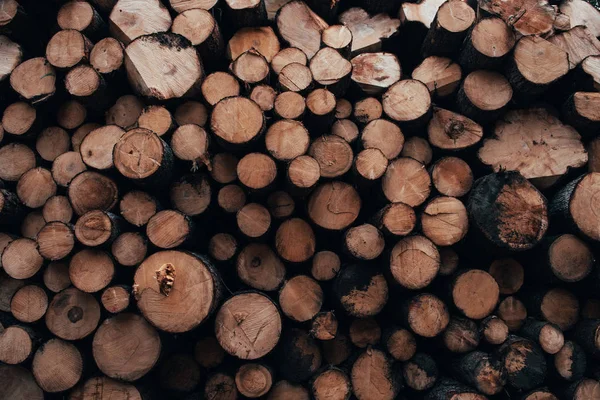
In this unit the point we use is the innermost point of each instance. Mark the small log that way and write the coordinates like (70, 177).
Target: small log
(52, 142)
(130, 19)
(57, 366)
(475, 293)
(17, 343)
(96, 149)
(338, 37)
(72, 314)
(295, 77)
(55, 240)
(343, 108)
(219, 85)
(290, 105)
(86, 85)
(448, 29)
(320, 111)
(333, 154)
(484, 95)
(287, 139)
(29, 304)
(129, 248)
(299, 354)
(493, 202)
(441, 76)
(329, 69)
(396, 219)
(325, 265)
(125, 112)
(281, 204)
(334, 205)
(426, 315)
(295, 240)
(535, 64)
(21, 259)
(35, 187)
(107, 56)
(256, 171)
(400, 343)
(303, 173)
(332, 380)
(253, 220)
(570, 207)
(191, 112)
(251, 68)
(300, 27)
(190, 142)
(346, 129)
(373, 376)
(201, 29)
(264, 95)
(369, 166)
(548, 336)
(32, 224)
(461, 335)
(508, 273)
(569, 258)
(420, 372)
(364, 242)
(169, 228)
(13, 56)
(191, 194)
(91, 280)
(570, 361)
(259, 267)
(83, 17)
(484, 372)
(360, 292)
(406, 181)
(409, 103)
(231, 198)
(115, 299)
(247, 123)
(15, 160)
(324, 326)
(138, 207)
(264, 40)
(162, 66)
(524, 363)
(414, 262)
(56, 276)
(19, 120)
(494, 330)
(97, 228)
(198, 290)
(451, 176)
(368, 32)
(367, 110)
(445, 221)
(68, 48)
(259, 311)
(71, 115)
(34, 80)
(108, 342)
(287, 56)
(559, 146)
(301, 298)
(253, 380)
(224, 168)
(374, 73)
(487, 45)
(156, 119)
(513, 312)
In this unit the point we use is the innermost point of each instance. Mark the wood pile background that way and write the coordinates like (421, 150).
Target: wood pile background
(330, 200)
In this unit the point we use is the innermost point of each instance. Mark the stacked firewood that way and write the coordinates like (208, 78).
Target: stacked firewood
(367, 199)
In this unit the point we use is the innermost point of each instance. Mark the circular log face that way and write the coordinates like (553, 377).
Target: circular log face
(248, 326)
(182, 297)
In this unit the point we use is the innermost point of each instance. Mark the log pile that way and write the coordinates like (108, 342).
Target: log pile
(276, 199)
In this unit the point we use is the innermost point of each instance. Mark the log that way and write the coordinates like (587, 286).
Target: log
(559, 145)
(55, 240)
(56, 276)
(414, 262)
(107, 56)
(494, 330)
(320, 111)
(231, 198)
(524, 362)
(485, 373)
(287, 139)
(535, 17)
(508, 273)
(360, 292)
(190, 142)
(487, 45)
(68, 48)
(130, 19)
(332, 380)
(418, 149)
(325, 265)
(578, 42)
(426, 315)
(15, 160)
(287, 56)
(259, 267)
(583, 389)
(21, 258)
(57, 366)
(253, 380)
(548, 336)
(580, 13)
(248, 115)
(251, 68)
(295, 77)
(115, 299)
(448, 29)
(445, 221)
(224, 168)
(12, 56)
(252, 163)
(71, 114)
(191, 112)
(17, 344)
(441, 76)
(57, 208)
(369, 166)
(138, 207)
(397, 219)
(29, 304)
(191, 194)
(52, 142)
(303, 173)
(264, 95)
(104, 385)
(334, 205)
(452, 176)
(374, 366)
(108, 342)
(201, 29)
(484, 95)
(129, 248)
(338, 37)
(156, 119)
(406, 181)
(330, 70)
(281, 205)
(290, 105)
(301, 298)
(182, 76)
(96, 149)
(300, 27)
(220, 386)
(253, 220)
(34, 80)
(97, 228)
(72, 314)
(367, 110)
(169, 228)
(475, 293)
(368, 32)
(400, 343)
(91, 281)
(374, 73)
(264, 40)
(461, 335)
(262, 313)
(324, 326)
(513, 312)
(420, 372)
(19, 120)
(333, 154)
(409, 103)
(125, 112)
(198, 289)
(496, 192)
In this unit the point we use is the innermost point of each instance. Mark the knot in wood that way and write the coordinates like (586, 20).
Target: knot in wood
(166, 278)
